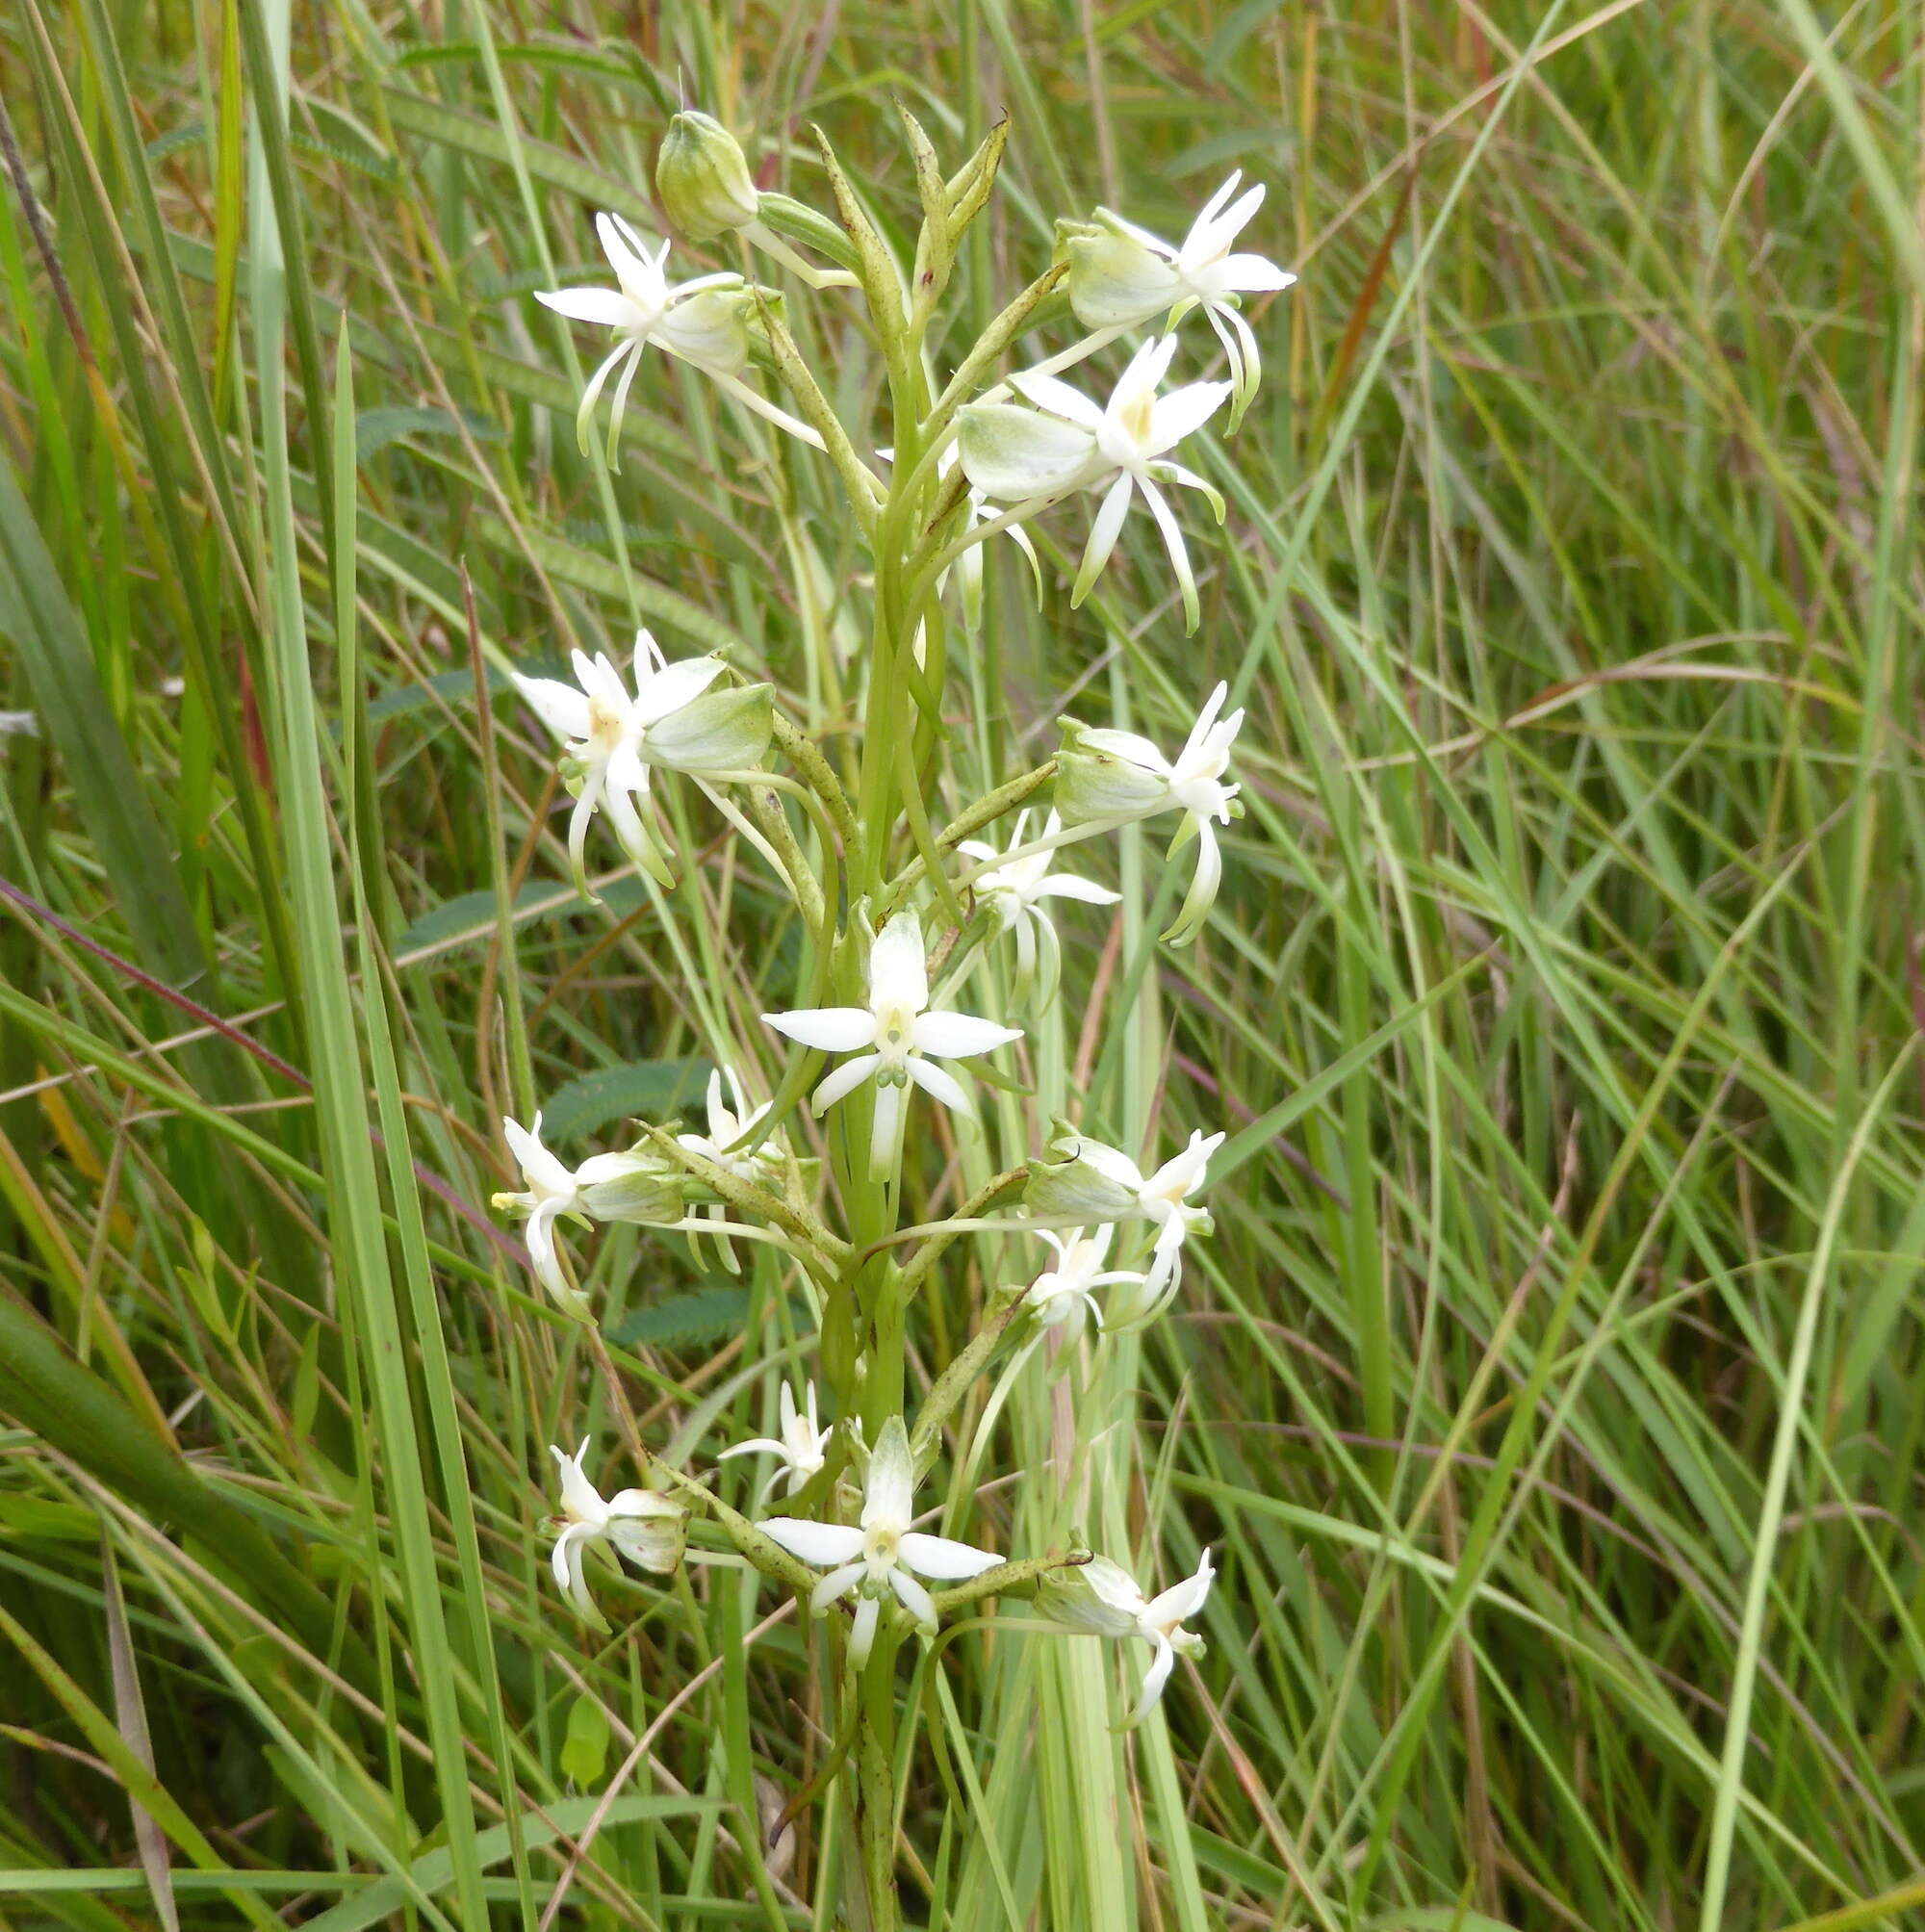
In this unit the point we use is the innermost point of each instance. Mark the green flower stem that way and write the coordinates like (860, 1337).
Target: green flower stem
(1006, 798)
(952, 1383)
(830, 1251)
(784, 214)
(764, 1553)
(1016, 1579)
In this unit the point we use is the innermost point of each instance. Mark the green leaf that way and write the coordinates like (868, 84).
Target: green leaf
(375, 428)
(584, 1750)
(639, 1090)
(685, 1321)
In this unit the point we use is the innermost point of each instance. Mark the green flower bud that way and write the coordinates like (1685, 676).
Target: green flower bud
(703, 179)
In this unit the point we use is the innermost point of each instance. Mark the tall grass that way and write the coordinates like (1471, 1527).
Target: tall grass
(1553, 1388)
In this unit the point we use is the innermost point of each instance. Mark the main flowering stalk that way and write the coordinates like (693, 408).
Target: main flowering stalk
(911, 926)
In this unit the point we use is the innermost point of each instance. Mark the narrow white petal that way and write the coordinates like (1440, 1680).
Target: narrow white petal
(561, 707)
(757, 1445)
(819, 1543)
(838, 1583)
(1050, 393)
(1179, 557)
(609, 307)
(840, 1084)
(1154, 1678)
(1183, 1600)
(940, 1085)
(670, 688)
(828, 1029)
(564, 1551)
(1067, 886)
(913, 1598)
(862, 1633)
(1183, 412)
(540, 1168)
(944, 1559)
(1252, 275)
(1104, 530)
(960, 1035)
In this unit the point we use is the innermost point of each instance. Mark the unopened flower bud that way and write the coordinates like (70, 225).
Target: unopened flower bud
(1098, 1596)
(702, 179)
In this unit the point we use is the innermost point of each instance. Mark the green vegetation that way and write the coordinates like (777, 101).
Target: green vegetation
(1553, 1389)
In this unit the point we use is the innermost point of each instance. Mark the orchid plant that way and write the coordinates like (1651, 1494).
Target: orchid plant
(915, 875)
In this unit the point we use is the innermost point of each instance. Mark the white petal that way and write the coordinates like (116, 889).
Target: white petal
(1179, 557)
(843, 1082)
(540, 1168)
(635, 269)
(1182, 1601)
(940, 1557)
(566, 1562)
(1057, 397)
(669, 689)
(960, 1035)
(1251, 274)
(579, 1497)
(940, 1085)
(757, 1445)
(819, 1543)
(1183, 412)
(914, 1599)
(828, 1029)
(1154, 1678)
(898, 973)
(609, 307)
(1127, 746)
(838, 1583)
(542, 1256)
(862, 1634)
(1067, 886)
(1104, 530)
(561, 707)
(889, 1490)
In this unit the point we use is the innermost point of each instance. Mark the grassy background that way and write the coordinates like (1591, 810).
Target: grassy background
(1553, 1389)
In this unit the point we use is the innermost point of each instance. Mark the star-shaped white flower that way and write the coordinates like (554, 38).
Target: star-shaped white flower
(604, 1187)
(884, 1551)
(1063, 1297)
(892, 1037)
(612, 737)
(1015, 891)
(731, 1121)
(802, 1447)
(645, 1528)
(1122, 776)
(1067, 442)
(1121, 277)
(1084, 1177)
(1103, 1597)
(705, 321)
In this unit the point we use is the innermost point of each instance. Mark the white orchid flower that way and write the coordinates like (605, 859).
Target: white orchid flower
(1086, 1178)
(892, 1037)
(1069, 443)
(731, 1121)
(1120, 776)
(705, 321)
(611, 738)
(1063, 1295)
(1121, 277)
(647, 1529)
(802, 1447)
(632, 1187)
(1103, 1597)
(881, 1553)
(1016, 889)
